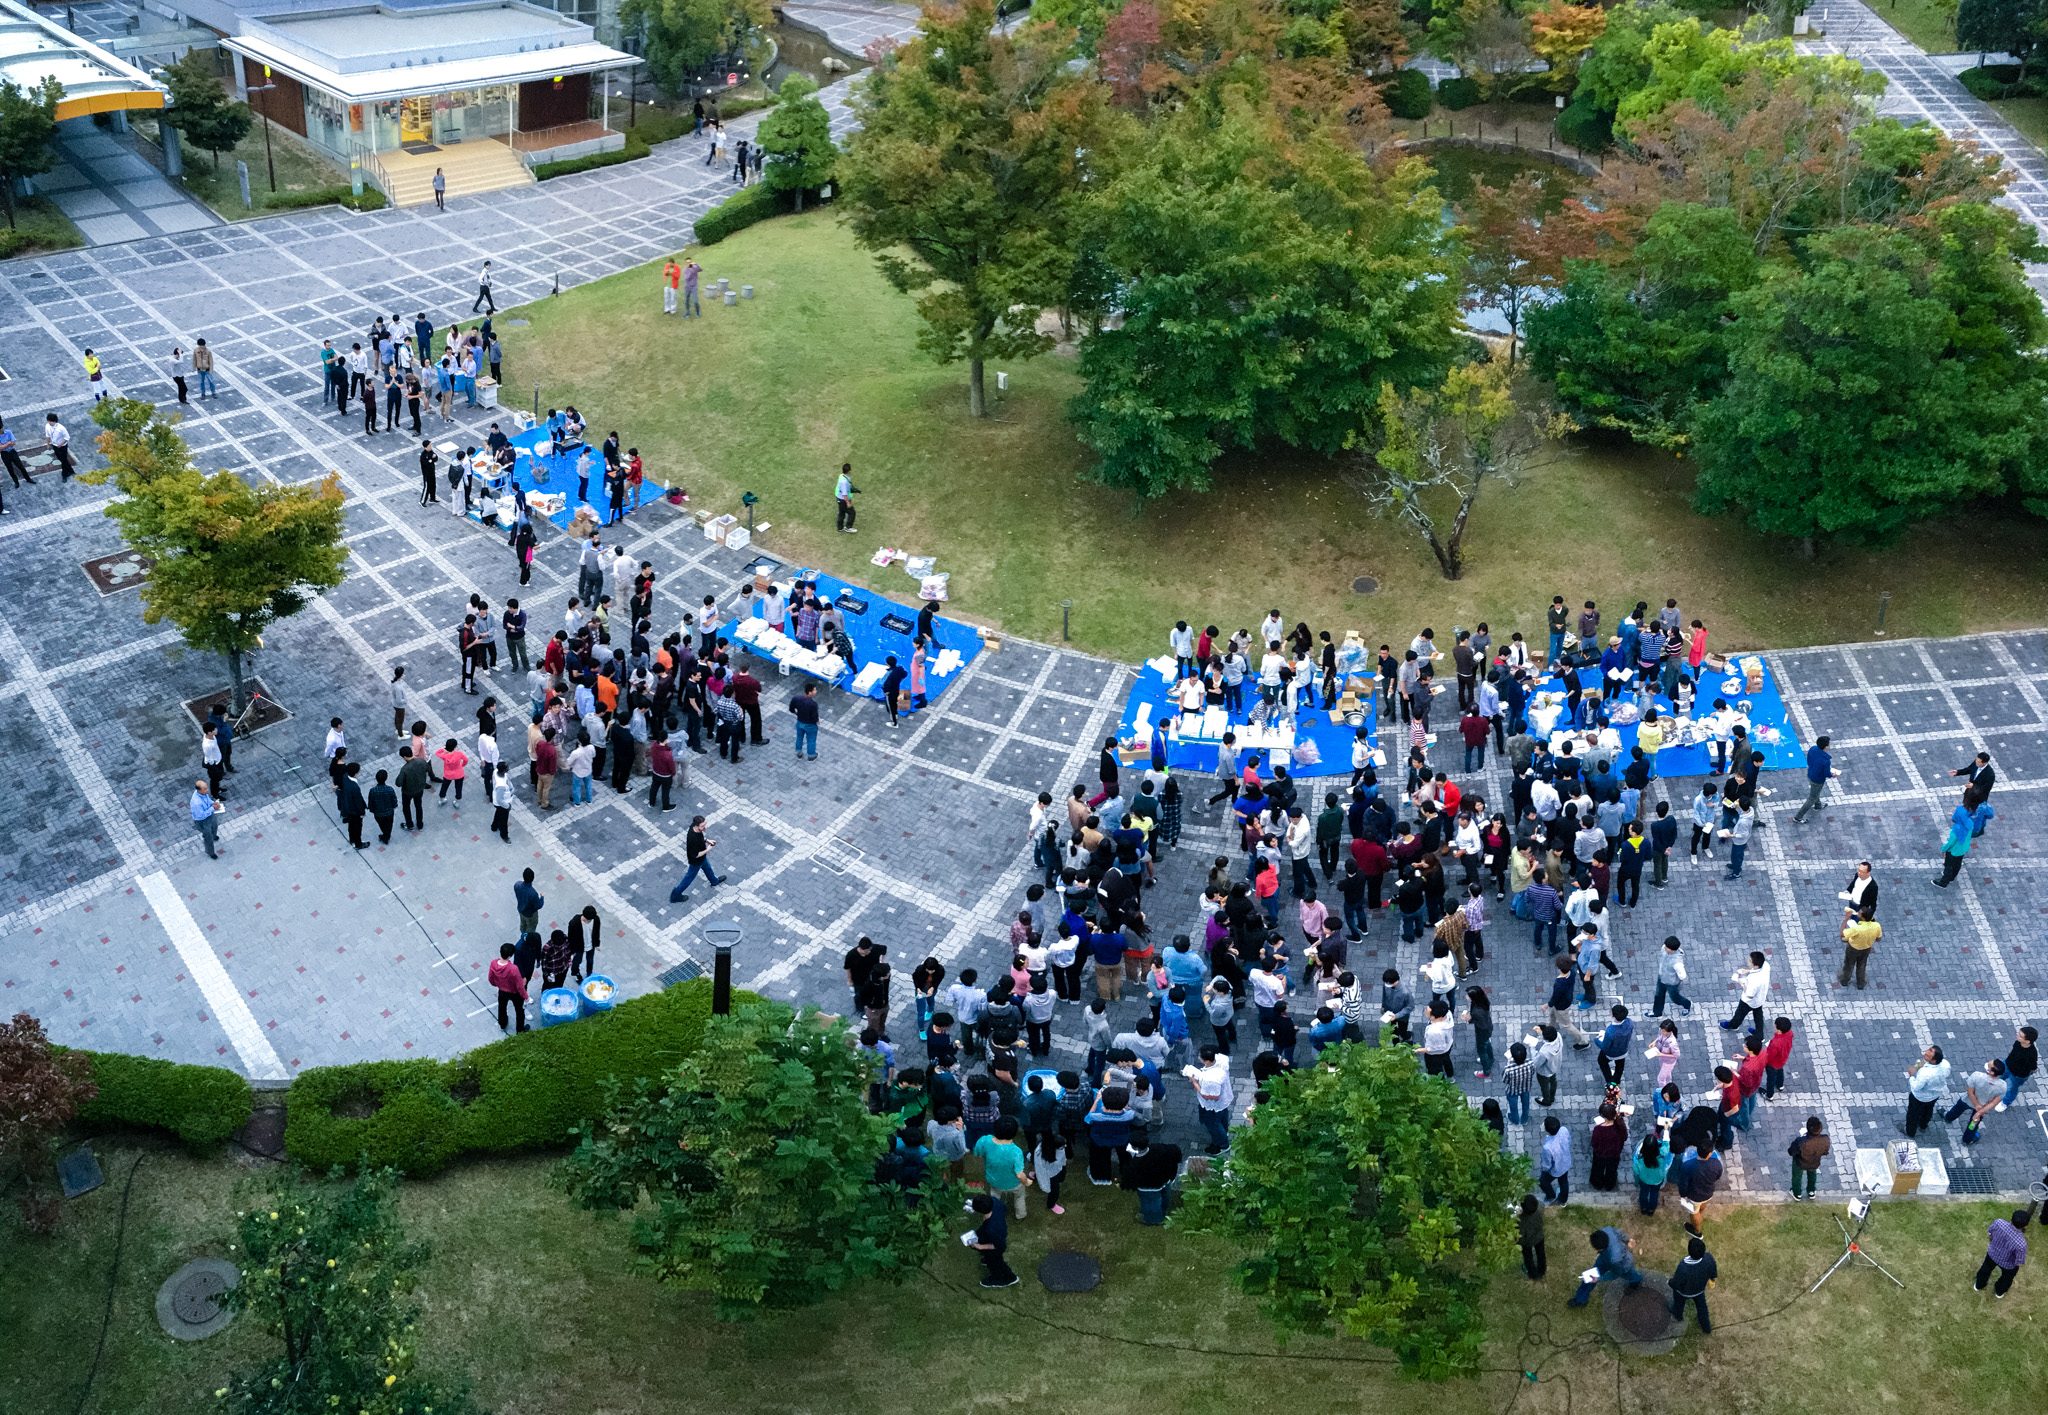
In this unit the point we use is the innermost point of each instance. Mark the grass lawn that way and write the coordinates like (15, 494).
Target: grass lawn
(38, 226)
(532, 1302)
(1921, 21)
(2029, 115)
(299, 169)
(772, 394)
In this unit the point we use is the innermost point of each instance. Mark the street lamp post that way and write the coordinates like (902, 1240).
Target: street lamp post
(722, 935)
(264, 109)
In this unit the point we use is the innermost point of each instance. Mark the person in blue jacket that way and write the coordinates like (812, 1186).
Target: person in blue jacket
(1614, 1044)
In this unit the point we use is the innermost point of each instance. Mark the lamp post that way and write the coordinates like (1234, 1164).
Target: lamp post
(722, 935)
(265, 87)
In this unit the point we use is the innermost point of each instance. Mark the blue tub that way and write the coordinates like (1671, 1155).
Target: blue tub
(594, 983)
(559, 1005)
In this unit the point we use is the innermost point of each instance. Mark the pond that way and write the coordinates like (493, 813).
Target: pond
(806, 52)
(1459, 168)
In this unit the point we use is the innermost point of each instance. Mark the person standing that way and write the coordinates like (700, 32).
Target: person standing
(671, 283)
(1819, 767)
(1699, 1176)
(202, 365)
(697, 849)
(211, 757)
(175, 367)
(483, 291)
(351, 806)
(1554, 1169)
(1695, 1274)
(501, 801)
(1808, 1149)
(441, 195)
(413, 780)
(58, 439)
(1529, 1228)
(2005, 1250)
(843, 492)
(1860, 933)
(1926, 1084)
(1615, 1040)
(504, 975)
(1213, 1096)
(204, 811)
(1777, 1052)
(528, 902)
(430, 464)
(691, 272)
(1002, 1161)
(805, 706)
(1981, 776)
(1980, 1094)
(10, 455)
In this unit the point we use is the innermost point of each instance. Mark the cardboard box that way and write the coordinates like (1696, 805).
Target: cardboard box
(717, 528)
(1902, 1165)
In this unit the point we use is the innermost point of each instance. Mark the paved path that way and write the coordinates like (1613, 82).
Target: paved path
(112, 194)
(295, 951)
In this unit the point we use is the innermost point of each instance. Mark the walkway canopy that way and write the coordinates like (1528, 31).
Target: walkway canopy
(95, 81)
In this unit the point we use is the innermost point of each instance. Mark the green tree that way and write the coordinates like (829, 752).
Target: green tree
(2015, 27)
(28, 120)
(200, 108)
(228, 559)
(1892, 378)
(41, 1088)
(684, 35)
(753, 1171)
(1375, 1201)
(326, 1269)
(1634, 346)
(970, 144)
(1269, 285)
(797, 136)
(1615, 66)
(1711, 69)
(1441, 446)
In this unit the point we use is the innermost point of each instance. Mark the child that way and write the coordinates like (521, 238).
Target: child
(1529, 1224)
(1665, 1104)
(1664, 1051)
(1479, 1016)
(1049, 1163)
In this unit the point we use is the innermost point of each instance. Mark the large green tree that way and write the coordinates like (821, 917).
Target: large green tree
(2015, 27)
(970, 145)
(228, 559)
(1374, 1200)
(28, 120)
(684, 35)
(751, 1173)
(327, 1270)
(200, 108)
(1893, 377)
(1271, 281)
(797, 136)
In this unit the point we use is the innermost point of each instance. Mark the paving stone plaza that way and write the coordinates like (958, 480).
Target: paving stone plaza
(294, 951)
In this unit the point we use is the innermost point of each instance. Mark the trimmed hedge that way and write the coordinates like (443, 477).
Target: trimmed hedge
(202, 1105)
(1407, 94)
(1458, 93)
(640, 139)
(370, 200)
(523, 1093)
(1991, 81)
(1586, 126)
(742, 209)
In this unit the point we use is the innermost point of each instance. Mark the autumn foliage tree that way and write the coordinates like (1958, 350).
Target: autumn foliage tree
(41, 1089)
(1561, 34)
(1514, 249)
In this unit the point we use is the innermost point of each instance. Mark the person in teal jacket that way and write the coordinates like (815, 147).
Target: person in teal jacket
(1652, 1167)
(1960, 838)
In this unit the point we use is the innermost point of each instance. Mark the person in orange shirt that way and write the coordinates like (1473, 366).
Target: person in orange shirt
(607, 693)
(671, 281)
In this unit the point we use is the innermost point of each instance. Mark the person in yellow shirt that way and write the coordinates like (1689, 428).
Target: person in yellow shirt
(1650, 736)
(1860, 933)
(94, 377)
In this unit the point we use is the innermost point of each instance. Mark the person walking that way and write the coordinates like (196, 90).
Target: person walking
(1980, 1094)
(202, 365)
(10, 455)
(204, 813)
(1755, 983)
(1926, 1084)
(1808, 1149)
(1960, 837)
(991, 1241)
(805, 706)
(1819, 767)
(1860, 932)
(1689, 1283)
(843, 492)
(2005, 1250)
(1614, 1260)
(1700, 1176)
(697, 849)
(504, 975)
(1671, 978)
(483, 291)
(2020, 1063)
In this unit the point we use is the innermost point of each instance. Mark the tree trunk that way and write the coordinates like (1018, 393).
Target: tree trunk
(1452, 557)
(977, 405)
(8, 182)
(234, 658)
(799, 201)
(1806, 547)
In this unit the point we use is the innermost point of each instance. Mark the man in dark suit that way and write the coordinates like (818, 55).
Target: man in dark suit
(1979, 773)
(352, 807)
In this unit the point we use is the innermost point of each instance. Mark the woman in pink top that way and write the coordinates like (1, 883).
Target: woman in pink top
(1698, 652)
(917, 675)
(454, 764)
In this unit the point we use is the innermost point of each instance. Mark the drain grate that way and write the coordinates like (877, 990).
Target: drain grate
(682, 973)
(1975, 1180)
(1365, 584)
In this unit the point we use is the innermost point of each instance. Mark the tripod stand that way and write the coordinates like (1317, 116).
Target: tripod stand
(1852, 1247)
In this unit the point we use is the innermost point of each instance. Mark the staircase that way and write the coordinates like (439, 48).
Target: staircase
(470, 167)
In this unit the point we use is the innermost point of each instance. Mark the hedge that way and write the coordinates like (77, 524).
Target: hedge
(370, 200)
(640, 139)
(1458, 93)
(742, 209)
(1586, 126)
(1407, 94)
(523, 1093)
(203, 1105)
(1991, 81)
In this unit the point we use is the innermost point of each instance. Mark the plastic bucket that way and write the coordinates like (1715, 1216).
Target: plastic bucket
(1052, 1081)
(559, 1005)
(597, 994)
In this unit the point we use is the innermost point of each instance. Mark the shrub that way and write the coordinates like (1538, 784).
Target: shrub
(1458, 93)
(1585, 126)
(640, 139)
(370, 200)
(740, 210)
(202, 1105)
(525, 1092)
(1406, 93)
(1991, 81)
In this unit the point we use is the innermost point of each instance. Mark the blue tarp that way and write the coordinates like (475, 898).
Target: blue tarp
(864, 611)
(535, 470)
(1333, 740)
(1766, 710)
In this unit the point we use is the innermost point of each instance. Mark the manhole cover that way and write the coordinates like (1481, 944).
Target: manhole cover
(263, 1134)
(517, 323)
(111, 574)
(1643, 1314)
(1066, 1271)
(1365, 584)
(188, 1304)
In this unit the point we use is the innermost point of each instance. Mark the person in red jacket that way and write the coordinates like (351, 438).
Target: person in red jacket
(1372, 863)
(745, 689)
(1777, 1051)
(661, 770)
(504, 975)
(1749, 1077)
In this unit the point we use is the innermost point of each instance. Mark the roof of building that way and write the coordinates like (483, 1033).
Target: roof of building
(95, 81)
(367, 52)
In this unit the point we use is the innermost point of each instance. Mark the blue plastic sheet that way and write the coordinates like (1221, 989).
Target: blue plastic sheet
(864, 610)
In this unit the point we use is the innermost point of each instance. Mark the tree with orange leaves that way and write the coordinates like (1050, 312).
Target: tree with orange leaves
(1514, 248)
(1561, 34)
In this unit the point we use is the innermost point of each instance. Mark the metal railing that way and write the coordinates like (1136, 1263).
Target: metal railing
(1533, 137)
(373, 171)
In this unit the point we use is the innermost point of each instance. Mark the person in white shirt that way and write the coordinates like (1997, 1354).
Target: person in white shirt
(1441, 971)
(1267, 990)
(1437, 1035)
(487, 756)
(336, 740)
(775, 609)
(1543, 798)
(1182, 640)
(708, 621)
(1755, 982)
(1193, 699)
(1272, 631)
(501, 801)
(580, 762)
(1213, 1096)
(1577, 905)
